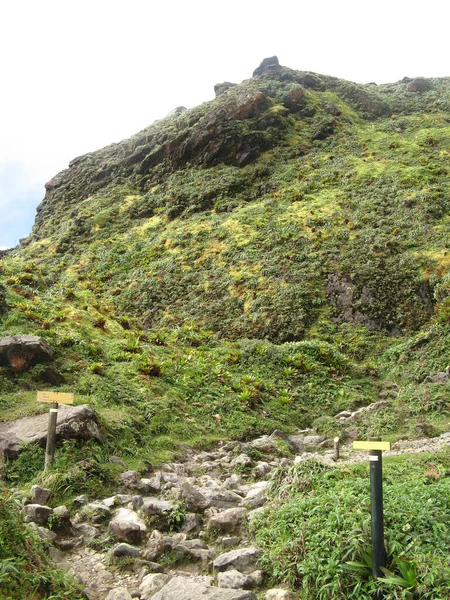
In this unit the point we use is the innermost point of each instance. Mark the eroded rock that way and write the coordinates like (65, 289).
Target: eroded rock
(21, 352)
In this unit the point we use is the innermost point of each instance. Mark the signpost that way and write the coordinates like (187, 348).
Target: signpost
(53, 398)
(375, 447)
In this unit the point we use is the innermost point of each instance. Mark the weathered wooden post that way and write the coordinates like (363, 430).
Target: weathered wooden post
(337, 447)
(51, 435)
(54, 398)
(375, 447)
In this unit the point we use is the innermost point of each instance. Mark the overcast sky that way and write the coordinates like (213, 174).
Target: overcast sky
(76, 76)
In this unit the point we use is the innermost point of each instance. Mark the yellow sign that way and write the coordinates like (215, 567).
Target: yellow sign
(58, 397)
(371, 445)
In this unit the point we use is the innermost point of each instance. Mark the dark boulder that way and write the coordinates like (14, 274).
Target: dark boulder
(221, 88)
(21, 352)
(419, 85)
(272, 61)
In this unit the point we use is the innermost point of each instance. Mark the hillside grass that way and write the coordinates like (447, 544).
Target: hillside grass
(315, 533)
(193, 304)
(26, 570)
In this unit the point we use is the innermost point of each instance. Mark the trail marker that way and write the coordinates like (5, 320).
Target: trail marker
(53, 398)
(57, 397)
(375, 447)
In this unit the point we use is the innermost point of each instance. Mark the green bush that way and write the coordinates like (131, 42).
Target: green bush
(319, 521)
(26, 571)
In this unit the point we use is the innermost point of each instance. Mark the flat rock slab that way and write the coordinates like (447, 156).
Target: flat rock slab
(181, 588)
(243, 559)
(74, 422)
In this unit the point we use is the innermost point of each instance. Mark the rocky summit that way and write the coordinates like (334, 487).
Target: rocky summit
(233, 295)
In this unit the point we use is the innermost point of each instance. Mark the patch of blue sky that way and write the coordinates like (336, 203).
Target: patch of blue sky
(20, 193)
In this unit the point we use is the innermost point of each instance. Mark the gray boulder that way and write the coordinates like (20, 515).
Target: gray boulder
(154, 506)
(242, 559)
(21, 352)
(130, 479)
(36, 513)
(151, 584)
(228, 520)
(45, 533)
(119, 594)
(219, 497)
(124, 550)
(181, 588)
(265, 444)
(96, 512)
(193, 499)
(74, 422)
(156, 546)
(127, 526)
(234, 579)
(39, 495)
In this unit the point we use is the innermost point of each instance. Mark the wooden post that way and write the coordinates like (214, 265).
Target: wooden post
(51, 435)
(337, 443)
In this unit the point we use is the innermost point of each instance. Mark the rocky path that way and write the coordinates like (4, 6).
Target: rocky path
(181, 533)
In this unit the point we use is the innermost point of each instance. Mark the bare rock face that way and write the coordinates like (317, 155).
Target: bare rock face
(21, 352)
(79, 422)
(272, 61)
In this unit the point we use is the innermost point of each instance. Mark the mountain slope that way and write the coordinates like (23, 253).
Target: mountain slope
(263, 260)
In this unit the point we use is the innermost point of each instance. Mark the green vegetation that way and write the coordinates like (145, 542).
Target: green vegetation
(262, 261)
(26, 570)
(315, 534)
(191, 295)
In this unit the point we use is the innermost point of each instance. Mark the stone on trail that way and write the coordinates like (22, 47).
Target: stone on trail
(119, 594)
(242, 559)
(152, 583)
(127, 526)
(154, 506)
(234, 579)
(124, 550)
(193, 498)
(181, 588)
(227, 521)
(74, 422)
(265, 444)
